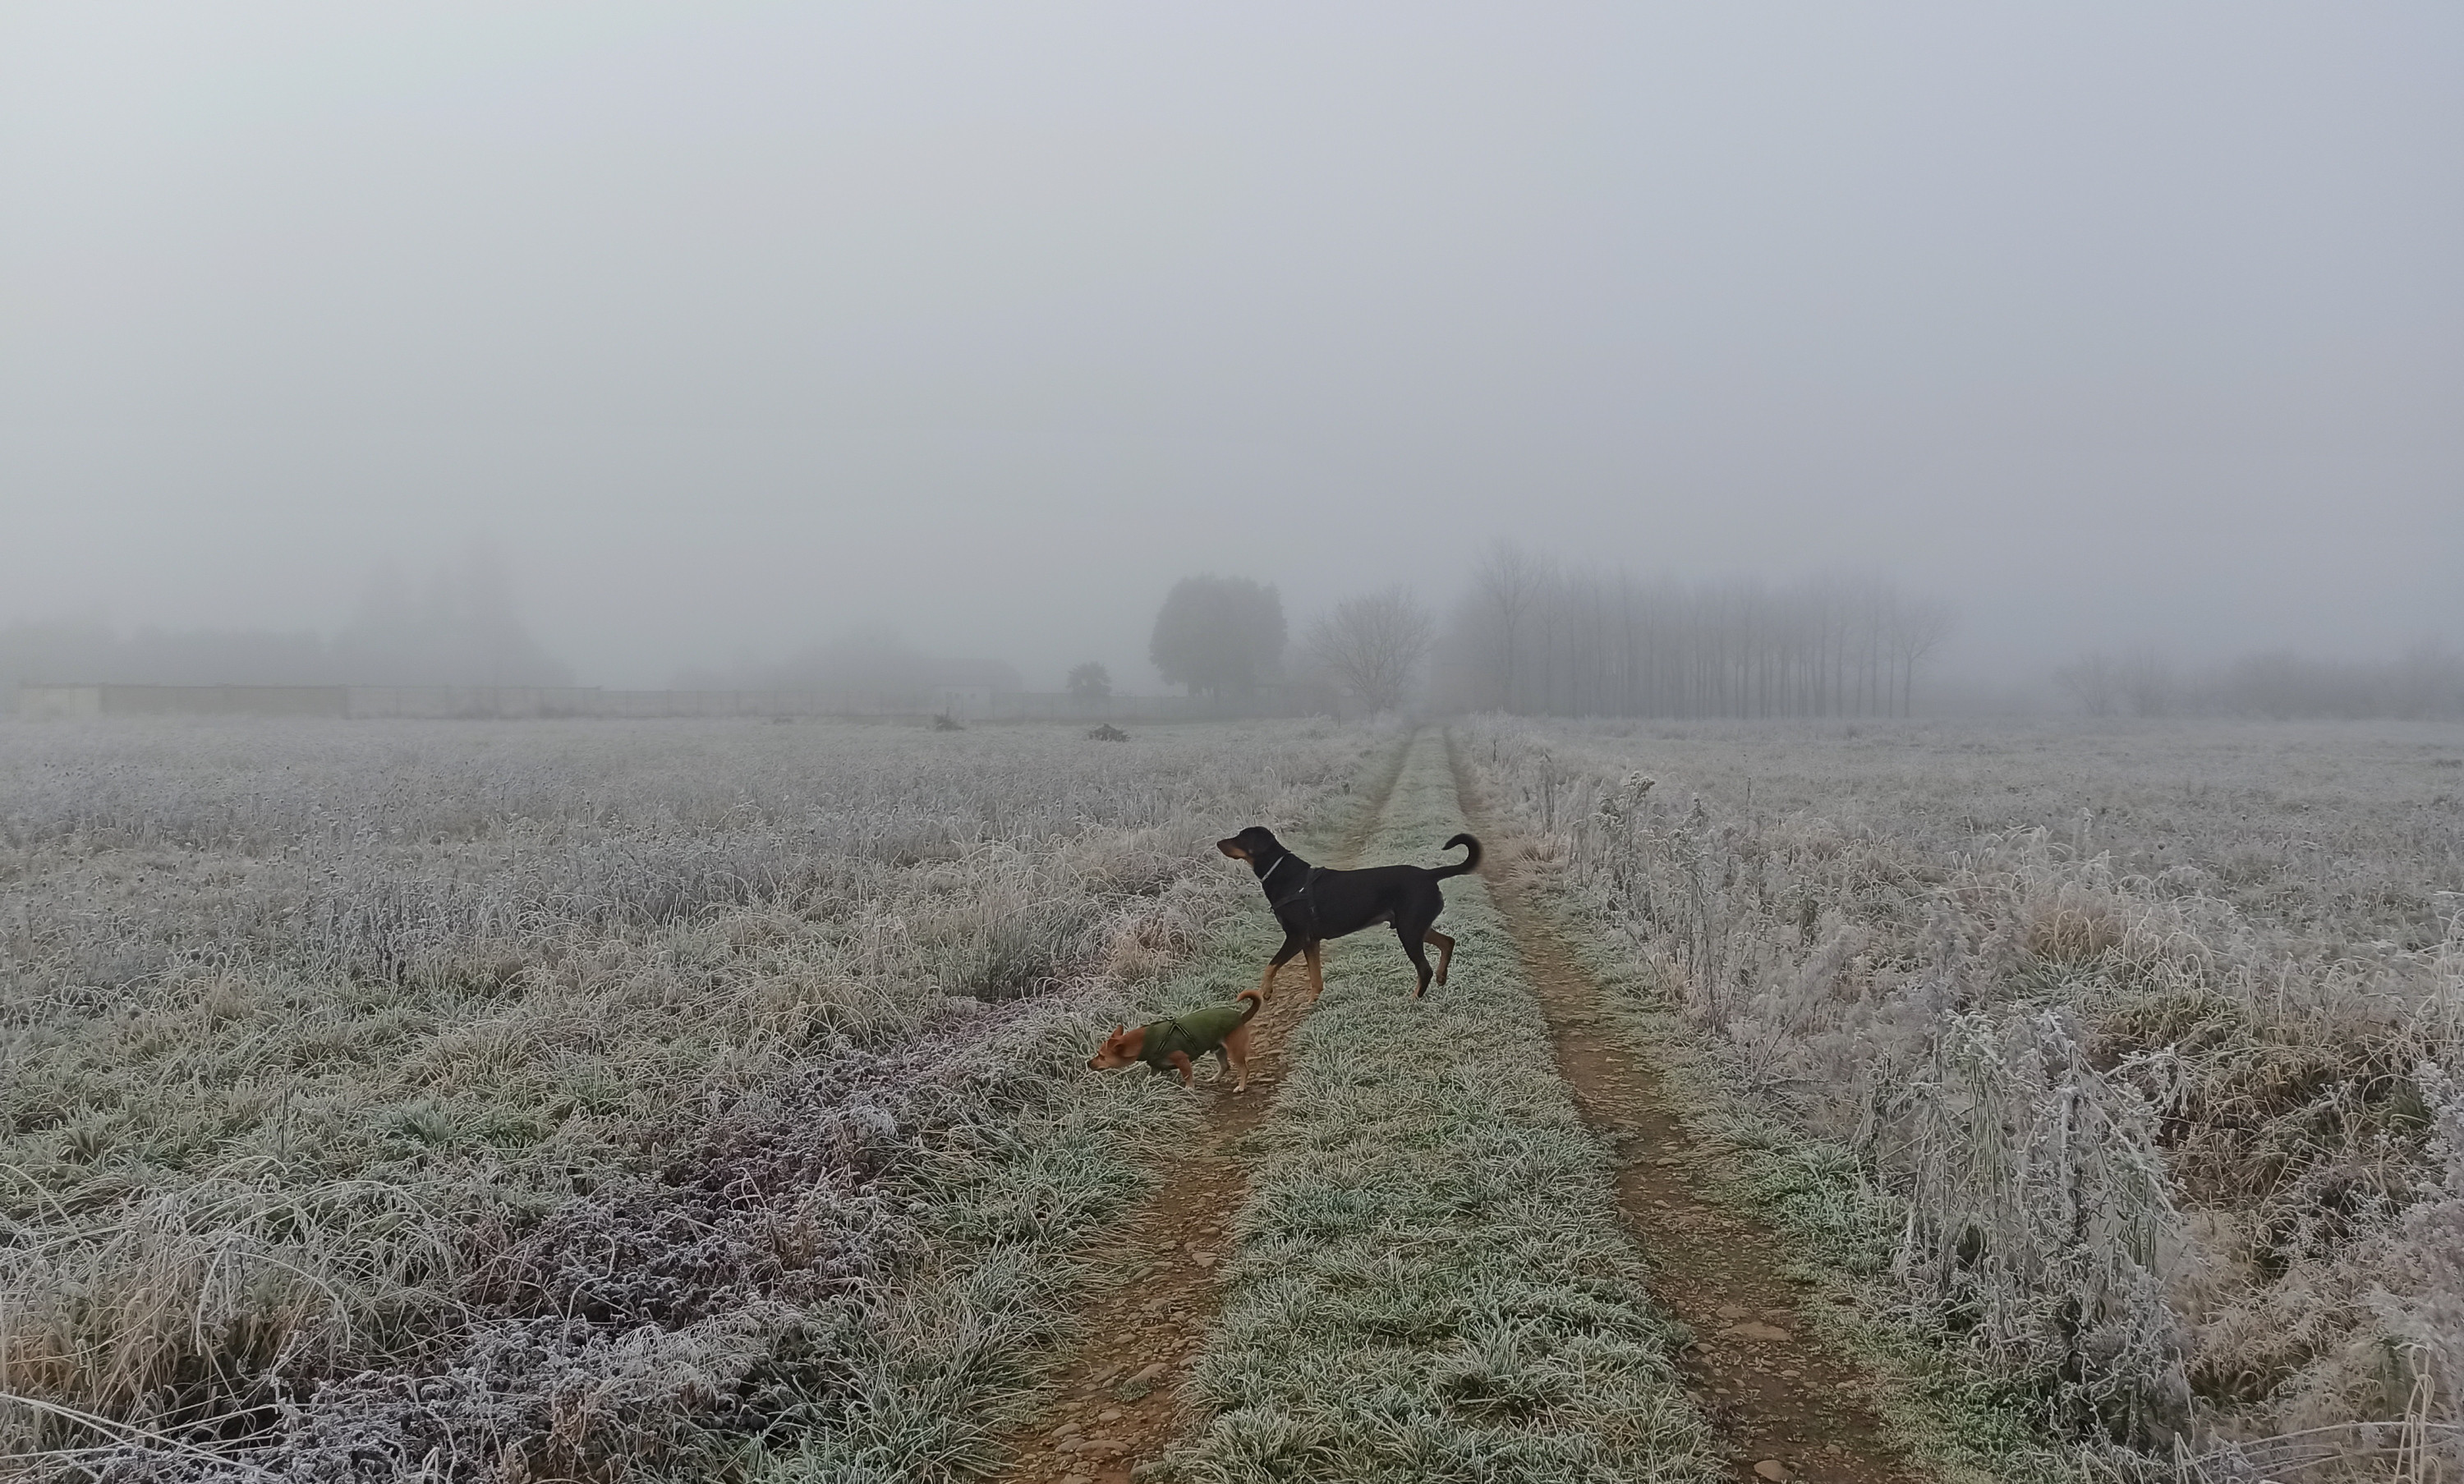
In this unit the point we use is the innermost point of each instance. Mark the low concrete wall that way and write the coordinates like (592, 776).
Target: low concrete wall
(966, 704)
(40, 703)
(440, 702)
(225, 701)
(58, 703)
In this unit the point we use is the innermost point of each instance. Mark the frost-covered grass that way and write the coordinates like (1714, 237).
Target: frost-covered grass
(509, 1101)
(2120, 1058)
(1432, 1282)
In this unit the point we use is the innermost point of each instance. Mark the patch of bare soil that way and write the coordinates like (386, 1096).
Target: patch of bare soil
(1787, 1406)
(1116, 1399)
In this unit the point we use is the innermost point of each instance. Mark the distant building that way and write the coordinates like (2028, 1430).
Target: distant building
(49, 703)
(58, 703)
(962, 702)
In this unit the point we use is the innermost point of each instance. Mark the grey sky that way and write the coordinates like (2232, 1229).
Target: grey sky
(732, 325)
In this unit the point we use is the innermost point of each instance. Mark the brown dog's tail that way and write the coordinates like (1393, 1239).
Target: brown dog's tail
(1469, 863)
(1249, 1011)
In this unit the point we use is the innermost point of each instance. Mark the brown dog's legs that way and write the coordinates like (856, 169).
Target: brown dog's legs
(1317, 974)
(1179, 1060)
(1445, 953)
(1236, 1054)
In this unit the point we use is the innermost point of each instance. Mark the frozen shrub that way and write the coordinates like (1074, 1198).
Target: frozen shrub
(2038, 1219)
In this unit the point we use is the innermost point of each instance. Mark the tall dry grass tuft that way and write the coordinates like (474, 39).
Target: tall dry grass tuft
(180, 1305)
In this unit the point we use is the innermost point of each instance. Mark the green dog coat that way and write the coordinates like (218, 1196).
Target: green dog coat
(1195, 1033)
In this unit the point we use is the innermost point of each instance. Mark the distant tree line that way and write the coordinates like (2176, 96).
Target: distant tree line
(1537, 637)
(2426, 683)
(869, 661)
(461, 627)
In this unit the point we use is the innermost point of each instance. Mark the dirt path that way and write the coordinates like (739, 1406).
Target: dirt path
(1785, 1403)
(1116, 1404)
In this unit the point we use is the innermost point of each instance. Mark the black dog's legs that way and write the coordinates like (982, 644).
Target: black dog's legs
(1413, 937)
(1283, 955)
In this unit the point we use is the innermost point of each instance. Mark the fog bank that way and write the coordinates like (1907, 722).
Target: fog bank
(737, 329)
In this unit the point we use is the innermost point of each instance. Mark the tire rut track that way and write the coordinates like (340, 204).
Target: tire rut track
(1786, 1404)
(1115, 1402)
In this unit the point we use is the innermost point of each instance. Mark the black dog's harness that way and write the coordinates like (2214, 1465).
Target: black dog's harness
(1299, 893)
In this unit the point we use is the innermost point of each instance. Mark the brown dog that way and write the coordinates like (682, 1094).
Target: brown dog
(1168, 1045)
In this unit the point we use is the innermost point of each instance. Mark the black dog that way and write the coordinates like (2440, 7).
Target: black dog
(1314, 903)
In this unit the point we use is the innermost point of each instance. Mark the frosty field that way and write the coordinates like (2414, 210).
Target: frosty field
(525, 1100)
(2121, 1062)
(707, 1101)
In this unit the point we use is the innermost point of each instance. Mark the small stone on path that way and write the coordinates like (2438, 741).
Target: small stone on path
(1773, 1470)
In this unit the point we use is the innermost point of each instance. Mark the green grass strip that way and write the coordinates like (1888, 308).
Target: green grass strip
(1432, 1282)
(958, 1355)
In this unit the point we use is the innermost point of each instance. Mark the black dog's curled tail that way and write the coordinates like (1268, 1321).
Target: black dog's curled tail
(1253, 1002)
(1470, 863)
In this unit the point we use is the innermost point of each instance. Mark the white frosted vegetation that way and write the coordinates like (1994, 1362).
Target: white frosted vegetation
(497, 1101)
(2143, 1035)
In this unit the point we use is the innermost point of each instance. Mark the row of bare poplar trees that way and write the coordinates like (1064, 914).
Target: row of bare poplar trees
(1537, 637)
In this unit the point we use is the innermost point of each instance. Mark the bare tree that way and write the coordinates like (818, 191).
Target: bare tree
(2094, 681)
(1916, 626)
(1509, 582)
(1374, 645)
(2147, 683)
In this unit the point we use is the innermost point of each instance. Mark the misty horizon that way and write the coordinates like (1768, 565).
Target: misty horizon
(733, 332)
